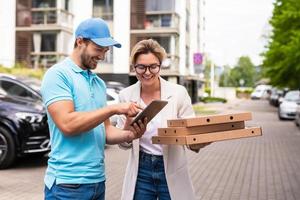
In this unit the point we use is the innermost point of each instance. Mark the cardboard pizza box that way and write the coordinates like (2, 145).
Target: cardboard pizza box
(179, 131)
(208, 137)
(210, 119)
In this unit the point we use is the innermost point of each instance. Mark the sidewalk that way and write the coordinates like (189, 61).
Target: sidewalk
(259, 168)
(217, 108)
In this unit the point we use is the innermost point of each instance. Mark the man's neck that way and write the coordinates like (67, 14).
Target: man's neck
(76, 59)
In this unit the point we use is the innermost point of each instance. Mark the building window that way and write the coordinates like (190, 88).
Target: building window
(166, 20)
(43, 4)
(164, 42)
(158, 5)
(187, 56)
(109, 56)
(44, 17)
(156, 21)
(48, 42)
(187, 21)
(103, 9)
(67, 5)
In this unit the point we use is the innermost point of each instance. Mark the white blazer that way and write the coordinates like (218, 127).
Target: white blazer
(175, 161)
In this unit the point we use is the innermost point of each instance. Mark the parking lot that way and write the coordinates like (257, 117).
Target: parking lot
(264, 167)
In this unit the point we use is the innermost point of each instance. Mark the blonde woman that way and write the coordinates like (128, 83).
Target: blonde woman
(156, 171)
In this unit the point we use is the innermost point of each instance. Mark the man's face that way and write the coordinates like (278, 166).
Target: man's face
(91, 54)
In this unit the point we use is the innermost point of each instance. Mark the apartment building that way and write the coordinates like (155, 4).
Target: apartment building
(39, 33)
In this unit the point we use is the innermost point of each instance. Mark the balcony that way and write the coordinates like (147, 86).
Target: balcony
(158, 22)
(107, 16)
(39, 19)
(46, 59)
(170, 66)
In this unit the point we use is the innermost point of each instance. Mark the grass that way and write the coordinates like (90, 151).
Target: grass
(20, 70)
(202, 110)
(213, 99)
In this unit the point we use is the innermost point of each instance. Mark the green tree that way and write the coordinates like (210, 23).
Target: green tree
(207, 69)
(282, 59)
(243, 74)
(223, 82)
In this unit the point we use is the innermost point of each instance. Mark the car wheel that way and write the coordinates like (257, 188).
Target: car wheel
(7, 149)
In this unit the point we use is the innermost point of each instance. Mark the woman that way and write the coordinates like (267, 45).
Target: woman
(156, 171)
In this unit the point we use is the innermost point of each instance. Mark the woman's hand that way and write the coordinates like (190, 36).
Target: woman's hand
(197, 147)
(137, 129)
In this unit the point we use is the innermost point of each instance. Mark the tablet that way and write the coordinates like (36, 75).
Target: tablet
(150, 111)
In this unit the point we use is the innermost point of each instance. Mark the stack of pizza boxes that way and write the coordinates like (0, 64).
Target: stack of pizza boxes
(205, 129)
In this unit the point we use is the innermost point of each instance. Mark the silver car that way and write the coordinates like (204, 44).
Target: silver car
(287, 109)
(297, 117)
(112, 98)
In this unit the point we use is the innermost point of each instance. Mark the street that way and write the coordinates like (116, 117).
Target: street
(261, 168)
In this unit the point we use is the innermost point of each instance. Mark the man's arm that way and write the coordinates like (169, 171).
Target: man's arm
(71, 122)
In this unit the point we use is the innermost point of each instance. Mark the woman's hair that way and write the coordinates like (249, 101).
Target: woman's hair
(145, 47)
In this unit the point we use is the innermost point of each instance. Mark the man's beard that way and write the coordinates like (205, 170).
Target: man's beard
(87, 61)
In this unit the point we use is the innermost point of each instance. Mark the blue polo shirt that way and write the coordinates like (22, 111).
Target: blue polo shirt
(74, 159)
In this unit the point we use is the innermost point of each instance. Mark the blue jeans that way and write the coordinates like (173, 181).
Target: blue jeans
(94, 191)
(151, 181)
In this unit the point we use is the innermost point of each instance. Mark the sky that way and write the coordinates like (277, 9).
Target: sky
(235, 28)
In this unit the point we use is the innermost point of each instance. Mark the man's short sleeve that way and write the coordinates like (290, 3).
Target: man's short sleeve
(56, 86)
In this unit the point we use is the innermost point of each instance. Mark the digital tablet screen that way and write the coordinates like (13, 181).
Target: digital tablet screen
(150, 111)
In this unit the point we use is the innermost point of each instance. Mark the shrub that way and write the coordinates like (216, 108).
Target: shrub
(21, 70)
(207, 90)
(244, 92)
(202, 110)
(247, 90)
(213, 99)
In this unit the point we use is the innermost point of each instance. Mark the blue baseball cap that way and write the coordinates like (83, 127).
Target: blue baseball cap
(96, 29)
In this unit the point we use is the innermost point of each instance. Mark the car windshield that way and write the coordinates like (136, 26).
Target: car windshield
(33, 83)
(292, 96)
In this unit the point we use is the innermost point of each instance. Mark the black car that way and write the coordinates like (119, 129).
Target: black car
(276, 94)
(23, 121)
(19, 86)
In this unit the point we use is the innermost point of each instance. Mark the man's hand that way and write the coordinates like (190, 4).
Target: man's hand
(130, 109)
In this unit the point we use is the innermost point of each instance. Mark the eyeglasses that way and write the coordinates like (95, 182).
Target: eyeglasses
(153, 68)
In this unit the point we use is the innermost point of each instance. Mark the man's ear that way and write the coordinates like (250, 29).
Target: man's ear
(80, 42)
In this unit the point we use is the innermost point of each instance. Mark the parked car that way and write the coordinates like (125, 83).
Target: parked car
(287, 109)
(23, 87)
(285, 90)
(23, 128)
(112, 98)
(297, 116)
(117, 86)
(23, 120)
(29, 88)
(261, 92)
(276, 94)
